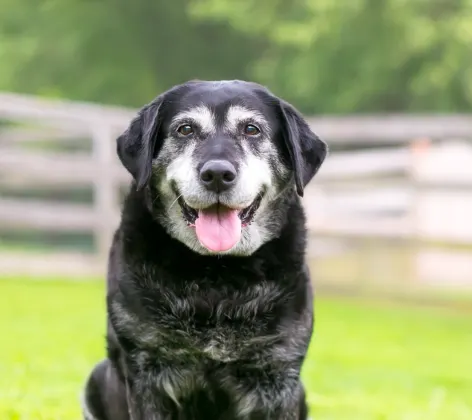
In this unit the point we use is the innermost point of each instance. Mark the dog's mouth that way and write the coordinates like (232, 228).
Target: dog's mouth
(218, 227)
(246, 215)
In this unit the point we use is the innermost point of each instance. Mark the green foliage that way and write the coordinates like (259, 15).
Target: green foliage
(363, 55)
(367, 361)
(325, 56)
(120, 52)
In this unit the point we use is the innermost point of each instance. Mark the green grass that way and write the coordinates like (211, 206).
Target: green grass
(368, 359)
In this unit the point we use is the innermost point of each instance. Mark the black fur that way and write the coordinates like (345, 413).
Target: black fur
(210, 337)
(307, 152)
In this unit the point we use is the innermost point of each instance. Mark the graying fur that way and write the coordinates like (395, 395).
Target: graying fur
(256, 174)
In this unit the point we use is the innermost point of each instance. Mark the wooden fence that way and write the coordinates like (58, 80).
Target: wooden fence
(395, 186)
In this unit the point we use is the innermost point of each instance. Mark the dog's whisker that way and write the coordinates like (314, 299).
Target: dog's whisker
(155, 199)
(175, 201)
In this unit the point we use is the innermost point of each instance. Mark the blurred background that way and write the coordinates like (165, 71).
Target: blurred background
(386, 83)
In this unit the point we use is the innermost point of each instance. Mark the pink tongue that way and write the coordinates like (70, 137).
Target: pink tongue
(218, 229)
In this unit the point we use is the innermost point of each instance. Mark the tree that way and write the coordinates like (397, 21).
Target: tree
(325, 56)
(365, 55)
(120, 52)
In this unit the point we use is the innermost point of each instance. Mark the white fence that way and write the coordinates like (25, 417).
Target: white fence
(406, 190)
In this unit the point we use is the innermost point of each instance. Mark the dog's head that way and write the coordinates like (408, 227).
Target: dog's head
(218, 156)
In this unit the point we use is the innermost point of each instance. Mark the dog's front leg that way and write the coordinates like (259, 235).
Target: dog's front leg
(268, 393)
(146, 405)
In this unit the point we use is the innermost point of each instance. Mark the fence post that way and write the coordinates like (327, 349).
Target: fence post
(418, 149)
(105, 190)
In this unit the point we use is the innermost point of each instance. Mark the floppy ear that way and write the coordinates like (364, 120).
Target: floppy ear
(137, 146)
(306, 150)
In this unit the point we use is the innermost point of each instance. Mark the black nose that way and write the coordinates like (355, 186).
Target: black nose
(218, 175)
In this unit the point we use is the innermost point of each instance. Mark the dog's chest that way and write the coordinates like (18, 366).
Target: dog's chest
(222, 325)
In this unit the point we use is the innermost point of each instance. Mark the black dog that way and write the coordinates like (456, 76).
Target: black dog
(209, 297)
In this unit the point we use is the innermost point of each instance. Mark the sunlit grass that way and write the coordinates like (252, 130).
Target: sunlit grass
(368, 360)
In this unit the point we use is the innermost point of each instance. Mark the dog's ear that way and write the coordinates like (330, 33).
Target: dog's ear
(306, 150)
(138, 145)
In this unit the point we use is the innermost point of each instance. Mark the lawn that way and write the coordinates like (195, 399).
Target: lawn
(368, 360)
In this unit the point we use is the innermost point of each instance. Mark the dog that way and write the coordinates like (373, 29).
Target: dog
(209, 298)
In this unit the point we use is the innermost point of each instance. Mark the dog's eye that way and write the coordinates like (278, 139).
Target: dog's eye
(251, 130)
(185, 130)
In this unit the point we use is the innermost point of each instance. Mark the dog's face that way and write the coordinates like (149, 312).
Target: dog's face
(218, 156)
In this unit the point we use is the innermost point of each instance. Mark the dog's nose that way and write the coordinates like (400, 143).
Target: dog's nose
(218, 175)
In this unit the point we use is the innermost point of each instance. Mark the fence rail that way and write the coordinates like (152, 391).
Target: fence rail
(388, 189)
